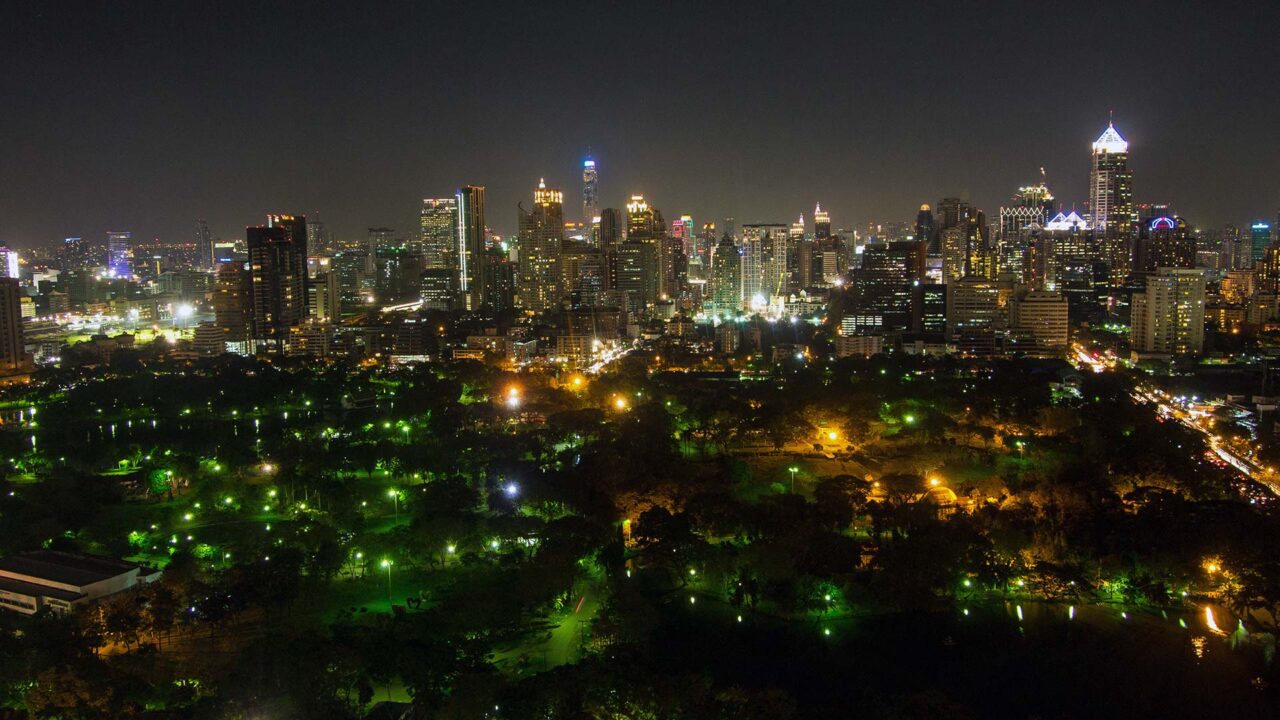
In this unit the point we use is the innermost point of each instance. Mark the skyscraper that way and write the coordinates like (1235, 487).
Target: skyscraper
(470, 238)
(1111, 201)
(1110, 183)
(764, 264)
(590, 206)
(926, 231)
(821, 222)
(541, 238)
(1259, 239)
(437, 224)
(726, 277)
(118, 254)
(277, 276)
(204, 246)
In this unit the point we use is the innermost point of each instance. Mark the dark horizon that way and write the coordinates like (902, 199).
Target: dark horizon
(146, 117)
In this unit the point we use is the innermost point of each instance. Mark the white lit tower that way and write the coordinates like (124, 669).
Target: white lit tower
(1111, 200)
(590, 204)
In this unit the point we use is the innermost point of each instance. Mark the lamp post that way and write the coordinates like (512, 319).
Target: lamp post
(395, 503)
(387, 564)
(793, 470)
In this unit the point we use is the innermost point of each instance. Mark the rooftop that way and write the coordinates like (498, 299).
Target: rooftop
(64, 567)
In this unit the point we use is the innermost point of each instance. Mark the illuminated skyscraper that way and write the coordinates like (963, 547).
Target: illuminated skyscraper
(764, 264)
(1111, 201)
(1259, 239)
(590, 204)
(436, 225)
(1110, 183)
(821, 222)
(470, 239)
(118, 253)
(541, 238)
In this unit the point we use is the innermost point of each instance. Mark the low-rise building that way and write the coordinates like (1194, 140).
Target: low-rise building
(35, 580)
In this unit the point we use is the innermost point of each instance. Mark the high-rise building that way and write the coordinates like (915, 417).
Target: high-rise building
(1167, 318)
(764, 264)
(1164, 242)
(611, 228)
(9, 264)
(119, 254)
(881, 289)
(232, 305)
(326, 300)
(277, 275)
(541, 240)
(1038, 323)
(976, 314)
(590, 203)
(926, 230)
(204, 246)
(13, 349)
(1111, 201)
(1259, 239)
(726, 277)
(1110, 183)
(470, 239)
(821, 222)
(437, 225)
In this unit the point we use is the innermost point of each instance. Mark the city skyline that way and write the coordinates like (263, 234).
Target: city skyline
(159, 133)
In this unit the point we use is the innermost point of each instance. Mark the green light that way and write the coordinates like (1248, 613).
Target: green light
(909, 419)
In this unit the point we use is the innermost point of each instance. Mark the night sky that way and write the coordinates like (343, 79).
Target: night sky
(146, 116)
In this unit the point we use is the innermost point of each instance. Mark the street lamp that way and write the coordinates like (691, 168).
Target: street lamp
(395, 502)
(387, 564)
(793, 470)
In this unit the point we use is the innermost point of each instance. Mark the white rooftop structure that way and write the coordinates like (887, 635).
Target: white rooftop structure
(1063, 222)
(1110, 141)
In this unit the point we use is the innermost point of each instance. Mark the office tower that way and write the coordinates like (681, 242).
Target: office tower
(929, 308)
(1038, 323)
(277, 274)
(645, 227)
(232, 309)
(611, 228)
(926, 230)
(204, 246)
(541, 238)
(396, 274)
(976, 313)
(955, 253)
(437, 224)
(13, 349)
(1167, 318)
(119, 254)
(590, 203)
(880, 290)
(726, 277)
(1111, 201)
(1110, 183)
(821, 223)
(730, 227)
(498, 280)
(353, 281)
(1164, 242)
(1259, 239)
(633, 274)
(437, 290)
(470, 239)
